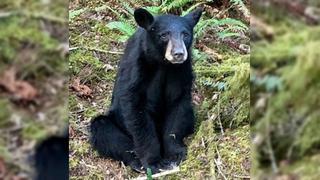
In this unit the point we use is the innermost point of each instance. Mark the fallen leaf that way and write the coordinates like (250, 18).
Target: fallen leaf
(196, 98)
(71, 132)
(21, 90)
(81, 89)
(3, 169)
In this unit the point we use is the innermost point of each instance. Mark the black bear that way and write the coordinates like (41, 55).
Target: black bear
(151, 109)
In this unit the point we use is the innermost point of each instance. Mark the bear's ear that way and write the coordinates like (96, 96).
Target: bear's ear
(143, 18)
(194, 16)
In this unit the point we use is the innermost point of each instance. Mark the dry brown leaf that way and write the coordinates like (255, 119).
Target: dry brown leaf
(71, 132)
(3, 169)
(21, 90)
(81, 89)
(196, 98)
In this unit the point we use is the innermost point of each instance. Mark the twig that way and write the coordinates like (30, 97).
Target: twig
(219, 120)
(44, 16)
(218, 164)
(219, 170)
(87, 165)
(172, 171)
(6, 14)
(272, 157)
(242, 48)
(96, 49)
(241, 176)
(271, 152)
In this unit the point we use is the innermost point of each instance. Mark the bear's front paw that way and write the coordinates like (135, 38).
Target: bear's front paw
(136, 166)
(162, 165)
(176, 155)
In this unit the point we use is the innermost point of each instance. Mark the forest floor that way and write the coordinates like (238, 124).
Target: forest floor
(285, 98)
(220, 146)
(33, 78)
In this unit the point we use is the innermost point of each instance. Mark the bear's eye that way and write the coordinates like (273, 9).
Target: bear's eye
(185, 34)
(164, 36)
(153, 29)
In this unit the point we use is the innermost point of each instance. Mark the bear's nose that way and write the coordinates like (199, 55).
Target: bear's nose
(178, 55)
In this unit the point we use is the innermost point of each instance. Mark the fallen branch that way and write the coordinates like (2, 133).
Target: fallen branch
(36, 15)
(5, 14)
(164, 173)
(241, 176)
(312, 14)
(96, 49)
(219, 170)
(260, 29)
(242, 48)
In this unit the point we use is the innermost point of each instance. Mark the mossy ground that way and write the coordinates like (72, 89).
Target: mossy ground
(285, 100)
(32, 37)
(221, 144)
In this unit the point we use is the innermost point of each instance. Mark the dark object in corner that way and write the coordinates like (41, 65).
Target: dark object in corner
(52, 159)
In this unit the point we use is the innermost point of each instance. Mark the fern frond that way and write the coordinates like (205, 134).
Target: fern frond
(191, 8)
(127, 7)
(155, 10)
(231, 27)
(125, 28)
(242, 8)
(169, 5)
(203, 25)
(75, 13)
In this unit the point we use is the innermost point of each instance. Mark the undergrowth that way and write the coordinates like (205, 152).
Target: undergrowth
(285, 102)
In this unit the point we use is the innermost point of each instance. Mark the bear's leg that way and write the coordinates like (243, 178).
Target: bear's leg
(112, 142)
(179, 123)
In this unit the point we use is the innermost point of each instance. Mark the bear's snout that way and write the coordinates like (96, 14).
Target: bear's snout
(176, 51)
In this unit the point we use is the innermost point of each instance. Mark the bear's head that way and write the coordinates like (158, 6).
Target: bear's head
(170, 35)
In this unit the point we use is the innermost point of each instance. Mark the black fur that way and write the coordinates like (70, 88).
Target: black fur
(151, 109)
(52, 159)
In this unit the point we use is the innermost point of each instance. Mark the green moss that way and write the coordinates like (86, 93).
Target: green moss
(4, 113)
(209, 149)
(198, 161)
(308, 140)
(284, 49)
(230, 81)
(5, 152)
(34, 131)
(306, 168)
(82, 60)
(286, 129)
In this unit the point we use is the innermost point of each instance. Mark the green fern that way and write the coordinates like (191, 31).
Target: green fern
(126, 29)
(191, 8)
(73, 14)
(168, 5)
(127, 7)
(155, 10)
(242, 7)
(230, 27)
